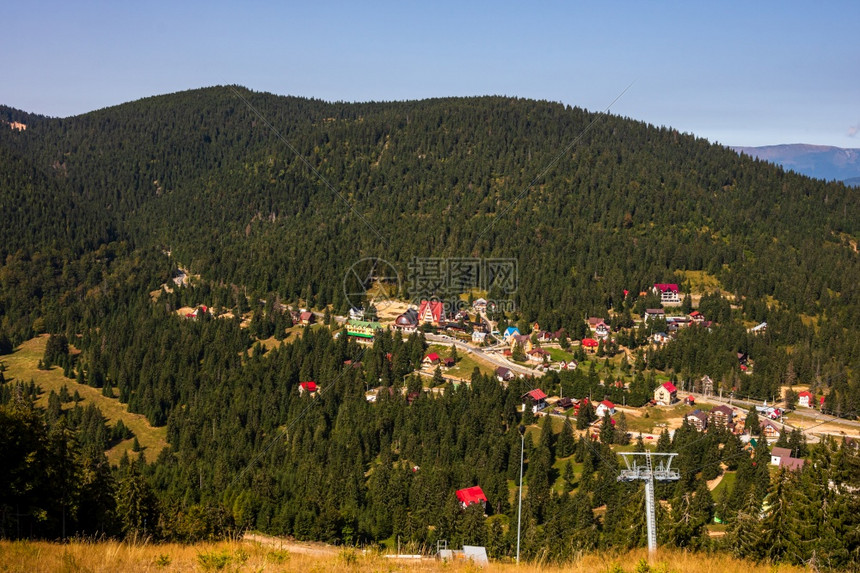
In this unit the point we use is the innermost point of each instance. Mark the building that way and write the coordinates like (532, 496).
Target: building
(770, 430)
(407, 322)
(362, 329)
(431, 311)
(478, 336)
(590, 345)
(470, 495)
(432, 359)
(510, 332)
(721, 415)
(537, 355)
(309, 387)
(521, 340)
(666, 394)
(307, 317)
(778, 453)
(604, 407)
(698, 420)
(535, 399)
(504, 374)
(652, 313)
(806, 399)
(668, 293)
(356, 313)
(479, 305)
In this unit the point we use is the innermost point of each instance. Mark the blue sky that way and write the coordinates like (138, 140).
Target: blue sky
(741, 73)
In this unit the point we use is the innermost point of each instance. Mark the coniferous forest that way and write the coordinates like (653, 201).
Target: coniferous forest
(267, 201)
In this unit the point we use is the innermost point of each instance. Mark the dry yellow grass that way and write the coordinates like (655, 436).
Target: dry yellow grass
(253, 556)
(22, 364)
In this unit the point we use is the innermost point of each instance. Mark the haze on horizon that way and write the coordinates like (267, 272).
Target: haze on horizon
(737, 74)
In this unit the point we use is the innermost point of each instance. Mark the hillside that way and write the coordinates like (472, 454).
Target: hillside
(269, 204)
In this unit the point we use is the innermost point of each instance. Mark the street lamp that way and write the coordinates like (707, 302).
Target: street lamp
(522, 430)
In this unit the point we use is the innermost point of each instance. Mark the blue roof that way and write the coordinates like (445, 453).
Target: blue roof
(512, 330)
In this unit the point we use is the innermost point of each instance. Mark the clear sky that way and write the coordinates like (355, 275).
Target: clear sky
(740, 73)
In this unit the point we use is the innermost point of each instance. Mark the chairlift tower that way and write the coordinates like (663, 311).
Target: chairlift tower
(649, 470)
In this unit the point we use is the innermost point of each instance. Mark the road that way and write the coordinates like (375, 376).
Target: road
(491, 358)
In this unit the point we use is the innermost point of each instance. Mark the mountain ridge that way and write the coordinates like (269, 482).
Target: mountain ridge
(819, 161)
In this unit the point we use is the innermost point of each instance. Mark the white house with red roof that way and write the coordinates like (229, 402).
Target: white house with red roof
(604, 407)
(468, 496)
(536, 399)
(668, 293)
(309, 387)
(590, 345)
(432, 359)
(806, 399)
(666, 394)
(431, 311)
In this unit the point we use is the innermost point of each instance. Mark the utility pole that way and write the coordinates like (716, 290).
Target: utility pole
(646, 470)
(520, 510)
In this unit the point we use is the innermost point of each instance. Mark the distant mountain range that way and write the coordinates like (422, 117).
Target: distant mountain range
(819, 161)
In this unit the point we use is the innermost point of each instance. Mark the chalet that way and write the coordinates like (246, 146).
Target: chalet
(590, 345)
(668, 293)
(545, 336)
(448, 362)
(431, 311)
(564, 403)
(471, 495)
(758, 328)
(806, 399)
(480, 305)
(478, 336)
(707, 385)
(307, 317)
(594, 322)
(690, 400)
(777, 454)
(698, 420)
(407, 322)
(510, 332)
(521, 340)
(660, 338)
(432, 359)
(535, 327)
(721, 415)
(362, 329)
(696, 317)
(461, 315)
(602, 330)
(791, 464)
(356, 313)
(535, 399)
(604, 407)
(537, 355)
(504, 374)
(651, 313)
(666, 394)
(770, 430)
(309, 387)
(569, 365)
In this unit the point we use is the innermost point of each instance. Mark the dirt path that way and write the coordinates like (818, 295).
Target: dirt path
(712, 484)
(304, 548)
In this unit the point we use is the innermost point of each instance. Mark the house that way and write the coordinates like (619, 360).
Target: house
(431, 311)
(504, 374)
(521, 340)
(777, 454)
(668, 293)
(660, 338)
(478, 336)
(356, 313)
(698, 420)
(564, 403)
(448, 362)
(570, 365)
(536, 399)
(770, 430)
(362, 329)
(590, 345)
(791, 464)
(480, 305)
(594, 321)
(471, 495)
(604, 407)
(806, 399)
(696, 317)
(721, 415)
(406, 322)
(309, 387)
(432, 359)
(707, 385)
(537, 355)
(461, 315)
(666, 394)
(602, 330)
(758, 328)
(307, 317)
(651, 313)
(510, 332)
(690, 400)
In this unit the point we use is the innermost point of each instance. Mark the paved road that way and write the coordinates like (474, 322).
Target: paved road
(491, 358)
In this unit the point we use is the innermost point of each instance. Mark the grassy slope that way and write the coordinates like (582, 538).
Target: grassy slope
(22, 366)
(254, 556)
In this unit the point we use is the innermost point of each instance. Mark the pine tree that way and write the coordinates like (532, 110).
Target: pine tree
(566, 444)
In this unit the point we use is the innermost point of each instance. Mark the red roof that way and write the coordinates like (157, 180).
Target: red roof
(433, 357)
(608, 404)
(471, 495)
(805, 394)
(695, 313)
(536, 394)
(669, 387)
(434, 307)
(663, 287)
(589, 343)
(309, 386)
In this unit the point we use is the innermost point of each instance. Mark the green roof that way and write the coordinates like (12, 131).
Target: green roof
(364, 324)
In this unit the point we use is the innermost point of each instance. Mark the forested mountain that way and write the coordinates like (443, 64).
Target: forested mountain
(271, 199)
(819, 161)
